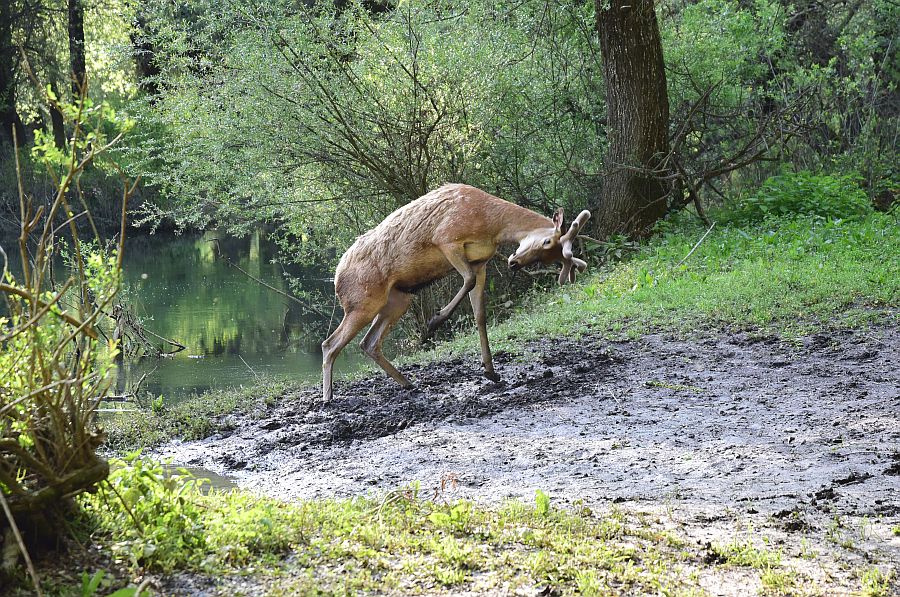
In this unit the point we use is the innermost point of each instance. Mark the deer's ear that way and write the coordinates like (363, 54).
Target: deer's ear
(558, 219)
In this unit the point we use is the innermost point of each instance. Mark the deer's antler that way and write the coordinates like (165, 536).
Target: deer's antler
(567, 273)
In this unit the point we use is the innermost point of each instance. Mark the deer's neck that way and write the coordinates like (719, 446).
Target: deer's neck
(519, 222)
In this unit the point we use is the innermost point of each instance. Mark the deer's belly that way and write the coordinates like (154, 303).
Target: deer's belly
(478, 252)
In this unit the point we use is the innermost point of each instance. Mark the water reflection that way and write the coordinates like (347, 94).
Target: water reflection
(235, 329)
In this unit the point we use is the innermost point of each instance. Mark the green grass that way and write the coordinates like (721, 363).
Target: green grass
(742, 552)
(786, 277)
(398, 542)
(194, 418)
(876, 583)
(147, 520)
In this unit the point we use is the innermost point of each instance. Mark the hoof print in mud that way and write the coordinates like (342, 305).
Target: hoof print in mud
(341, 429)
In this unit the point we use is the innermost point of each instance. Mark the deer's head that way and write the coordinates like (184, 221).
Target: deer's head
(549, 245)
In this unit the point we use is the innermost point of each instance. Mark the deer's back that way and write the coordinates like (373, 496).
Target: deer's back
(403, 249)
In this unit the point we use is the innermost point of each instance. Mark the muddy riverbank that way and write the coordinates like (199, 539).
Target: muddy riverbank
(718, 430)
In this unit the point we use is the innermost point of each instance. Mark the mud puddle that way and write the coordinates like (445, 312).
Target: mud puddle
(718, 431)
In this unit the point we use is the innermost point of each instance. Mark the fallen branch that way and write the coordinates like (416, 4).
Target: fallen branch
(694, 248)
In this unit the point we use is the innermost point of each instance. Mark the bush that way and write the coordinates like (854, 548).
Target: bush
(150, 517)
(804, 193)
(55, 366)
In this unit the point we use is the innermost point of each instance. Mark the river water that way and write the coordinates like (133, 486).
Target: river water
(236, 331)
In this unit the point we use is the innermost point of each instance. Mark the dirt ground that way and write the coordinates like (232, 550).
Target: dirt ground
(717, 434)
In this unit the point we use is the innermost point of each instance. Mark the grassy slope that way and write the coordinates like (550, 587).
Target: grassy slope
(785, 277)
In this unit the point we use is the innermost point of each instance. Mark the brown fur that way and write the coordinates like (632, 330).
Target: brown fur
(453, 227)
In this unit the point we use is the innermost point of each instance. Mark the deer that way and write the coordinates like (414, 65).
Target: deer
(454, 227)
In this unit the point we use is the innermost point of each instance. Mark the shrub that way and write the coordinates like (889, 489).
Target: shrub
(54, 365)
(804, 193)
(152, 518)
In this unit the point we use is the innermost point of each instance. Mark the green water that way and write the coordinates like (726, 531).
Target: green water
(236, 331)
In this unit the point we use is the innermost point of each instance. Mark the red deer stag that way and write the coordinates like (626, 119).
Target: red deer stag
(454, 227)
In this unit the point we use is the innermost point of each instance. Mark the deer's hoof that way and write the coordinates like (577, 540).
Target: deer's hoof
(491, 375)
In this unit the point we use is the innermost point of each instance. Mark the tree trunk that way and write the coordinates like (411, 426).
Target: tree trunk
(632, 198)
(76, 46)
(144, 53)
(57, 123)
(9, 118)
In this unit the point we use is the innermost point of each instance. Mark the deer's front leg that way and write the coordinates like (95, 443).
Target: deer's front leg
(456, 255)
(476, 296)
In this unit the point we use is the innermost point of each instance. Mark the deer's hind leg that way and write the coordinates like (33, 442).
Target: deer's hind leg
(397, 304)
(354, 321)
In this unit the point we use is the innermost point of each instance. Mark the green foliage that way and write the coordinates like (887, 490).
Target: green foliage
(93, 584)
(804, 193)
(541, 503)
(154, 518)
(876, 583)
(54, 366)
(742, 552)
(353, 114)
(148, 519)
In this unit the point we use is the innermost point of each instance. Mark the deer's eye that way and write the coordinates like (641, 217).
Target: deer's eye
(548, 242)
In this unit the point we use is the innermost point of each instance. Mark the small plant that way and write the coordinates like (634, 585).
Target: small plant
(94, 584)
(542, 503)
(456, 520)
(777, 582)
(150, 514)
(744, 553)
(875, 583)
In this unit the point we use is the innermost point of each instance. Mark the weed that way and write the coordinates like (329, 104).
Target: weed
(777, 582)
(744, 553)
(875, 583)
(194, 418)
(806, 551)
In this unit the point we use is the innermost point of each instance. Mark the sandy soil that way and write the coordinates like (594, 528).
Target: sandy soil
(714, 433)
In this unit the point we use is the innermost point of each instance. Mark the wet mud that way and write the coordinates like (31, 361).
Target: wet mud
(722, 428)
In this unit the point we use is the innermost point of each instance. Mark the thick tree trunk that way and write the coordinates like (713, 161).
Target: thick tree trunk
(632, 198)
(9, 118)
(76, 46)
